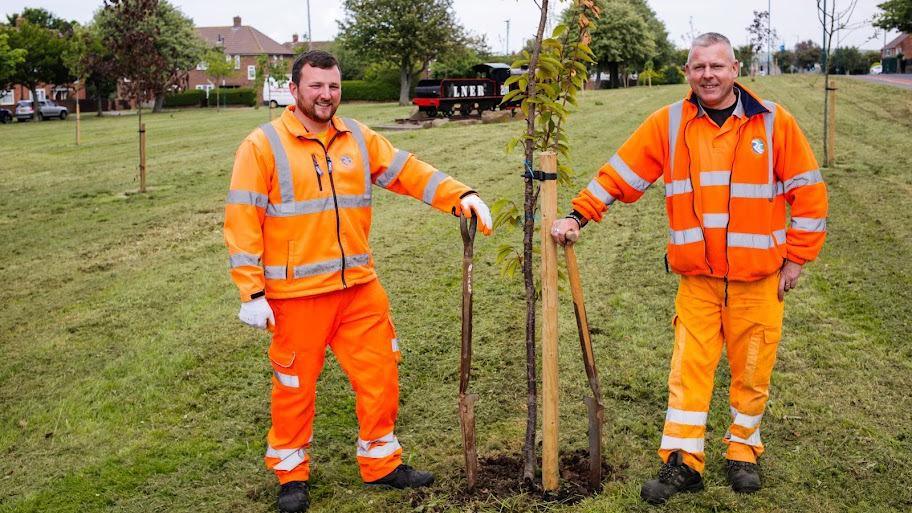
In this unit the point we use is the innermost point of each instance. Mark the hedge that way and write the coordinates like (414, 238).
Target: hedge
(362, 90)
(194, 98)
(233, 96)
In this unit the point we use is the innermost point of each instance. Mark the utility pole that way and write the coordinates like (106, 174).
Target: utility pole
(769, 37)
(309, 32)
(508, 37)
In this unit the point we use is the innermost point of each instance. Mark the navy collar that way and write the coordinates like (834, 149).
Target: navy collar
(748, 102)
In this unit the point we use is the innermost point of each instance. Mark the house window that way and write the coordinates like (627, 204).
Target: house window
(42, 95)
(6, 98)
(251, 72)
(237, 62)
(61, 93)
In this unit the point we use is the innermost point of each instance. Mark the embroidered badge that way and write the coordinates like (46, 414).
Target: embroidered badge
(346, 161)
(758, 146)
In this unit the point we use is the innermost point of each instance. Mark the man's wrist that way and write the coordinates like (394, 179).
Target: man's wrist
(578, 217)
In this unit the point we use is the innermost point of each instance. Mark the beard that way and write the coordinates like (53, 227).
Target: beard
(310, 110)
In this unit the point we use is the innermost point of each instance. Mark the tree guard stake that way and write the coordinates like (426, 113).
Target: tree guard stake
(467, 400)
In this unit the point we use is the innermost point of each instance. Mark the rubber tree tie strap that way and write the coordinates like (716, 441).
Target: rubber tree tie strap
(536, 174)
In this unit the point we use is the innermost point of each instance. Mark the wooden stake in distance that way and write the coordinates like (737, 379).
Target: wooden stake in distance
(142, 157)
(77, 116)
(831, 125)
(548, 161)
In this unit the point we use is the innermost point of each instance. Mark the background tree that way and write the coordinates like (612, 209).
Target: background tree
(807, 54)
(459, 59)
(745, 55)
(896, 15)
(786, 61)
(218, 68)
(665, 52)
(405, 33)
(9, 59)
(848, 61)
(44, 39)
(760, 36)
(832, 20)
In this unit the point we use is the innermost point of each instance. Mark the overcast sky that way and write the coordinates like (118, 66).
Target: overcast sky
(793, 20)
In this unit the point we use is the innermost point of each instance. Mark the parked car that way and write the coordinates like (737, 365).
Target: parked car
(5, 116)
(46, 109)
(876, 69)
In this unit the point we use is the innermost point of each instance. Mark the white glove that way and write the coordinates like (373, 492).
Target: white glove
(257, 313)
(472, 205)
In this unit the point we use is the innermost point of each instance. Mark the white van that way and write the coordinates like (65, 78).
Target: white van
(276, 93)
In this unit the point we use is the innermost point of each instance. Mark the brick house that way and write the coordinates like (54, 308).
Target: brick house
(242, 45)
(896, 56)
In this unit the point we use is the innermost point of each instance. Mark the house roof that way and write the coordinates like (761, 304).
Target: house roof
(300, 46)
(897, 41)
(242, 40)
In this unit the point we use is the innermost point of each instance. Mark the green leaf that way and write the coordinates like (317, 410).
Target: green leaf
(559, 30)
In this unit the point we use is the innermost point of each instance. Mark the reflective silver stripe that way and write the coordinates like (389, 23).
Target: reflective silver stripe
(674, 125)
(365, 156)
(286, 185)
(678, 187)
(366, 448)
(753, 240)
(242, 259)
(628, 175)
(690, 418)
(769, 120)
(806, 178)
(314, 206)
(247, 198)
(274, 272)
(779, 235)
(688, 236)
(288, 380)
(599, 192)
(715, 220)
(753, 440)
(394, 169)
(430, 190)
(809, 224)
(691, 445)
(711, 178)
(744, 420)
(395, 344)
(290, 458)
(754, 190)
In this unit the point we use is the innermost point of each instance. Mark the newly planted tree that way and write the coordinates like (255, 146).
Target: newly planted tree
(218, 68)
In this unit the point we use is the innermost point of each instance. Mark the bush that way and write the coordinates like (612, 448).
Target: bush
(234, 96)
(645, 76)
(362, 90)
(672, 75)
(194, 98)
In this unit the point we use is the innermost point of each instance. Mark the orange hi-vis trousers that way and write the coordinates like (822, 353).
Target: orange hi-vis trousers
(355, 323)
(749, 327)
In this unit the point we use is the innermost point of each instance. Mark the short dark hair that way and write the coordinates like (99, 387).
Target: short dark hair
(314, 58)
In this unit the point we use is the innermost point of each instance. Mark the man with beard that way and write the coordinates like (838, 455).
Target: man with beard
(297, 221)
(730, 162)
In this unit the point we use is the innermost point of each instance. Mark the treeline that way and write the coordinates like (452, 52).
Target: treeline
(806, 56)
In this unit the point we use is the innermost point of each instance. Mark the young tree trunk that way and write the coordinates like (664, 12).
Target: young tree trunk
(36, 112)
(615, 81)
(159, 102)
(405, 81)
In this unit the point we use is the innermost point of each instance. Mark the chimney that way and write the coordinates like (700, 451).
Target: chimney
(294, 38)
(237, 21)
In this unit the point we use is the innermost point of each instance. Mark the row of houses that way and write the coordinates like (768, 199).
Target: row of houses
(242, 45)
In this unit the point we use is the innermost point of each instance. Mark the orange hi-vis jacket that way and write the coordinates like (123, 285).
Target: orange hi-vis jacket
(726, 188)
(298, 213)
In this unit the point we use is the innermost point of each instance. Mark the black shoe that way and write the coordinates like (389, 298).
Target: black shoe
(674, 477)
(743, 476)
(293, 497)
(405, 477)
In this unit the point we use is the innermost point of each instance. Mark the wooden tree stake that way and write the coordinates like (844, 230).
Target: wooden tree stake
(77, 117)
(142, 157)
(548, 162)
(831, 125)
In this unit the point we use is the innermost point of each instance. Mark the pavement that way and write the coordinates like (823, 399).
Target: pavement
(898, 80)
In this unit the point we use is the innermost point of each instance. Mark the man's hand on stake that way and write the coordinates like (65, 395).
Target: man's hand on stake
(472, 205)
(257, 313)
(788, 277)
(565, 231)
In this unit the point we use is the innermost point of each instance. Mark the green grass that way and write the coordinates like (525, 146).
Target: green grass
(128, 385)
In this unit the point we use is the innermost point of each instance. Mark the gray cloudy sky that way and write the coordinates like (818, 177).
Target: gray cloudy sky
(793, 20)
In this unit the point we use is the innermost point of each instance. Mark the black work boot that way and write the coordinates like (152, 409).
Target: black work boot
(405, 477)
(743, 476)
(674, 477)
(293, 497)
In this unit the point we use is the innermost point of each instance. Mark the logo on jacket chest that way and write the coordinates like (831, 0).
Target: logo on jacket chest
(758, 145)
(346, 161)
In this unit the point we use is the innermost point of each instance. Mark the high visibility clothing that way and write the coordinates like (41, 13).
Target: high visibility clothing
(354, 323)
(725, 187)
(298, 212)
(749, 327)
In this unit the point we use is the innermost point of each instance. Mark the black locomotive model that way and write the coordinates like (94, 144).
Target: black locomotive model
(451, 96)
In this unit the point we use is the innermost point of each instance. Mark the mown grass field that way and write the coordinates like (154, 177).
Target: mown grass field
(127, 384)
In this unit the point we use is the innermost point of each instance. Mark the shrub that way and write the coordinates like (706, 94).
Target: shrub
(672, 75)
(193, 98)
(362, 90)
(234, 96)
(645, 76)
